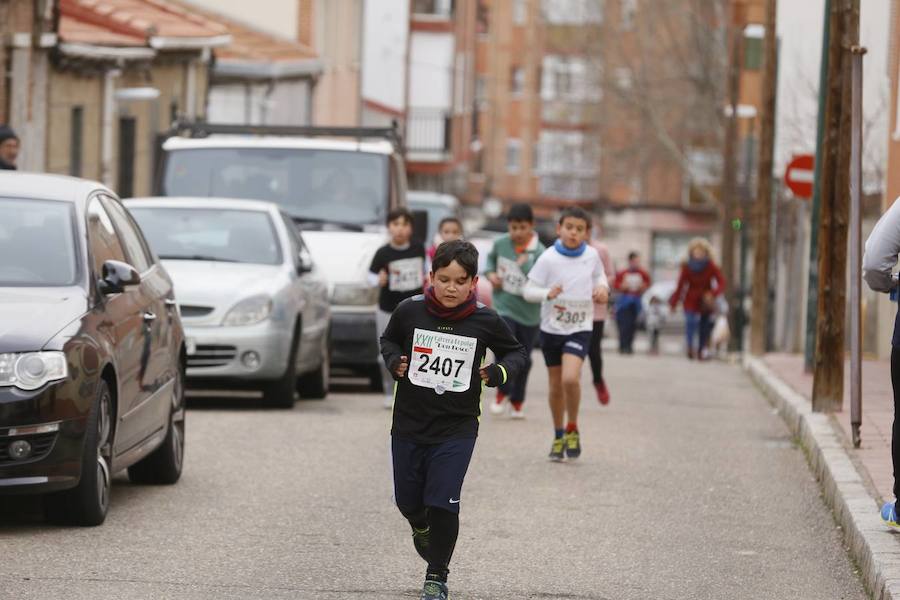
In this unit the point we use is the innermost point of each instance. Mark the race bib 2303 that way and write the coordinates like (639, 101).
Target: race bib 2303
(571, 315)
(442, 361)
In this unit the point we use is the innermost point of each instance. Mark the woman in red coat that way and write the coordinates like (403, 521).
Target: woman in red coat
(699, 284)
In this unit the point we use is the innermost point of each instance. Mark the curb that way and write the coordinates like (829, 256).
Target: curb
(871, 544)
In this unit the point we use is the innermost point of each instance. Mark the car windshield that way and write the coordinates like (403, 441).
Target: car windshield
(243, 236)
(37, 245)
(436, 212)
(319, 185)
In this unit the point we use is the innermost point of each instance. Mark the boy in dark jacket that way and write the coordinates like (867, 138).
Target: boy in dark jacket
(434, 346)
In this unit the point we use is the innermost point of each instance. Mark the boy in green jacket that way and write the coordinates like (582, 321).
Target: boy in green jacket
(507, 268)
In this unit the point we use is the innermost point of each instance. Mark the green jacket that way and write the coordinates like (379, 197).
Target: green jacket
(504, 261)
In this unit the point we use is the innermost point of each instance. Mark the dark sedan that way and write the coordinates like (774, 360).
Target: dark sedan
(91, 349)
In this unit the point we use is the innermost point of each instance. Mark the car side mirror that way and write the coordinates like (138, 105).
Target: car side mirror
(420, 226)
(304, 262)
(116, 276)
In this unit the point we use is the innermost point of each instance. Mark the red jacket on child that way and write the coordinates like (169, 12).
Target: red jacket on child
(694, 284)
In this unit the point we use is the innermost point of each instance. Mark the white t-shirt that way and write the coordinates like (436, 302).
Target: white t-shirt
(573, 310)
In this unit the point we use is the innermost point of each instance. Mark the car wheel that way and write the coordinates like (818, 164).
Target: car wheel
(88, 502)
(314, 385)
(163, 466)
(280, 393)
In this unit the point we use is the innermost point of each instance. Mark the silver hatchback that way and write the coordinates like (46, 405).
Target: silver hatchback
(254, 306)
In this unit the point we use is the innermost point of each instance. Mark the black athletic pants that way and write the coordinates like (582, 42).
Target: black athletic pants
(596, 352)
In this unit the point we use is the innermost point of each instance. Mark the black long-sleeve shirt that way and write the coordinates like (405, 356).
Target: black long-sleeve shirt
(444, 356)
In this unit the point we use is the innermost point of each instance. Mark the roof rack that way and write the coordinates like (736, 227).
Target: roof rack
(200, 129)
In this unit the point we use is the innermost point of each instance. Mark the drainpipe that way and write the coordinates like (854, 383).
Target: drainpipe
(106, 136)
(190, 92)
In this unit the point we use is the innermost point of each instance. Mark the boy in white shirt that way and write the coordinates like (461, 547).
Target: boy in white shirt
(567, 279)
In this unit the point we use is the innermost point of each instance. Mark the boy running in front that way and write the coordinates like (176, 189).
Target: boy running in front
(434, 346)
(567, 279)
(397, 268)
(507, 267)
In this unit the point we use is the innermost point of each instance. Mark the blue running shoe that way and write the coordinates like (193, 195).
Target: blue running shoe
(434, 590)
(889, 514)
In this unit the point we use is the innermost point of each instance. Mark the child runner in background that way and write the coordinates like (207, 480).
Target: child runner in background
(567, 279)
(631, 283)
(507, 267)
(434, 346)
(656, 318)
(397, 268)
(449, 229)
(601, 312)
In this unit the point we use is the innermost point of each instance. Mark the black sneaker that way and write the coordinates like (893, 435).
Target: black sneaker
(421, 540)
(558, 449)
(434, 590)
(573, 444)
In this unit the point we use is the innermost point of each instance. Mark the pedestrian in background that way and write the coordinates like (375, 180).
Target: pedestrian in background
(631, 284)
(601, 312)
(398, 269)
(507, 267)
(568, 280)
(434, 346)
(699, 284)
(9, 148)
(655, 319)
(880, 258)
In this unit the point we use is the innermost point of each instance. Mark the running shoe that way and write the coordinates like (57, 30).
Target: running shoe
(499, 404)
(421, 540)
(889, 515)
(602, 393)
(434, 590)
(558, 449)
(573, 444)
(516, 411)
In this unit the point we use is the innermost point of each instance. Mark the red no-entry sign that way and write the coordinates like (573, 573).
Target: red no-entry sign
(800, 175)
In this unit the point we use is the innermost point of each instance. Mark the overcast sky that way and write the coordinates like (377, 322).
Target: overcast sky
(800, 29)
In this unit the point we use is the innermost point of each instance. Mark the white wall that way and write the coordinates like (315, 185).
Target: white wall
(431, 70)
(385, 35)
(280, 17)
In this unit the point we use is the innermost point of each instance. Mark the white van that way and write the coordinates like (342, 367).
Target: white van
(337, 184)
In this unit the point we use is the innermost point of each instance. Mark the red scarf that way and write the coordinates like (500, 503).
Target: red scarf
(438, 310)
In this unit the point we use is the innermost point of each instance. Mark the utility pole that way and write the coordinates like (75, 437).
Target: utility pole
(729, 175)
(828, 372)
(812, 287)
(763, 217)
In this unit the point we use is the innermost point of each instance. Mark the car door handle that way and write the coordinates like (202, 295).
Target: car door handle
(149, 317)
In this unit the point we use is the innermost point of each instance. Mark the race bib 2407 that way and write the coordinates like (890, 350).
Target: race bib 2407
(442, 361)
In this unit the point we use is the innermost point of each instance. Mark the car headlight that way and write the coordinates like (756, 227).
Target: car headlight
(31, 370)
(249, 311)
(354, 294)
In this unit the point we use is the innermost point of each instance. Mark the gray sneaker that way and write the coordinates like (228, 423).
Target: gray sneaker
(434, 590)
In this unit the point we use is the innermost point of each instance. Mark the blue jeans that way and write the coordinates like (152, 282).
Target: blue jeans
(527, 336)
(697, 325)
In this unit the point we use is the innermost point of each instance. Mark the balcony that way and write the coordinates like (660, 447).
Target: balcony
(428, 134)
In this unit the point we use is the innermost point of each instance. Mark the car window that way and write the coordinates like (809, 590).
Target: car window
(209, 234)
(37, 243)
(293, 237)
(104, 242)
(130, 234)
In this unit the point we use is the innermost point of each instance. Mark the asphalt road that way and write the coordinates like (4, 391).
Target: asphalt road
(689, 488)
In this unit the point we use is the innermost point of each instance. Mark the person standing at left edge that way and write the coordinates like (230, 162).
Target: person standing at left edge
(434, 345)
(9, 148)
(397, 268)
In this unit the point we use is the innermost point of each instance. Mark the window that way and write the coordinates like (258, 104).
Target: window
(481, 91)
(571, 79)
(75, 140)
(573, 12)
(104, 242)
(130, 234)
(513, 155)
(520, 12)
(433, 8)
(517, 80)
(535, 157)
(627, 15)
(624, 78)
(753, 47)
(38, 246)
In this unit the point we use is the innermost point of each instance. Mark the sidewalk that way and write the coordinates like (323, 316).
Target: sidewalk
(854, 482)
(874, 454)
